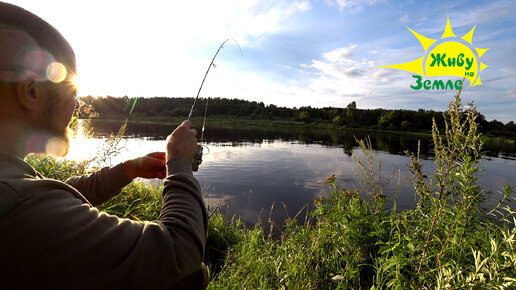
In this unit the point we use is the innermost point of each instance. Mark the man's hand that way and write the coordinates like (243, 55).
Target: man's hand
(149, 166)
(182, 142)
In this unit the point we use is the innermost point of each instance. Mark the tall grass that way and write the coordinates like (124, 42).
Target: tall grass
(450, 240)
(60, 169)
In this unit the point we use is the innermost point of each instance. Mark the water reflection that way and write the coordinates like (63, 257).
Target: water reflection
(248, 170)
(382, 141)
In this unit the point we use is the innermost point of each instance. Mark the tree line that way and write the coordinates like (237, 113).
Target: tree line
(350, 116)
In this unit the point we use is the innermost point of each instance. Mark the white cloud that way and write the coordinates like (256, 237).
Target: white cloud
(341, 55)
(342, 64)
(340, 77)
(293, 7)
(330, 69)
(350, 73)
(357, 4)
(303, 6)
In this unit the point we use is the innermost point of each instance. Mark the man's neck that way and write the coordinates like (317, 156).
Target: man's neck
(18, 140)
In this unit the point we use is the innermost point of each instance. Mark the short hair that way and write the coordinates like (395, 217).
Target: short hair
(29, 46)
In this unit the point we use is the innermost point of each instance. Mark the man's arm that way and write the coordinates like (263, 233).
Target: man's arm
(59, 241)
(101, 185)
(178, 203)
(104, 184)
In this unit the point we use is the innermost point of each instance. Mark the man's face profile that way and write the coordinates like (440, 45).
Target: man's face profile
(59, 106)
(37, 68)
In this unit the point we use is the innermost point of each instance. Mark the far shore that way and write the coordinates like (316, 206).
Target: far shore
(236, 122)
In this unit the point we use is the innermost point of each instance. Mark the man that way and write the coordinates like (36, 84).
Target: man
(51, 236)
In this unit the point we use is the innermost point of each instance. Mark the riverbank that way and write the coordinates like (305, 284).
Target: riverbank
(234, 122)
(348, 241)
(351, 240)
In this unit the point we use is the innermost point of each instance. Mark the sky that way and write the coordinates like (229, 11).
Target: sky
(287, 53)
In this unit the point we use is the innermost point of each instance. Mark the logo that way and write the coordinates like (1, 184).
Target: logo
(448, 56)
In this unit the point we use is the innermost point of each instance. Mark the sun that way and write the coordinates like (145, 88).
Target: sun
(449, 55)
(76, 81)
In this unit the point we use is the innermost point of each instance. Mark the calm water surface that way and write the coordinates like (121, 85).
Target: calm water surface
(249, 170)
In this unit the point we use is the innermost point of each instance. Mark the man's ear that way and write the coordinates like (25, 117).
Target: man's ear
(28, 95)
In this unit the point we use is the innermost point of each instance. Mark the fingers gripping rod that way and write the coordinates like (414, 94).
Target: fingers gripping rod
(197, 160)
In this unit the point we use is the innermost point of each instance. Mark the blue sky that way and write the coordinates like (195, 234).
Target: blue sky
(295, 53)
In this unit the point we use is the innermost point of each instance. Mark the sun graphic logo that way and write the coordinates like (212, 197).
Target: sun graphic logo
(448, 56)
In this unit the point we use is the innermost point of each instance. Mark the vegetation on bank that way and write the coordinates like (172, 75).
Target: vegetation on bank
(448, 241)
(162, 109)
(458, 236)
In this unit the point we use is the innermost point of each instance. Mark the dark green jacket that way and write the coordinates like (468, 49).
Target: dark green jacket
(52, 237)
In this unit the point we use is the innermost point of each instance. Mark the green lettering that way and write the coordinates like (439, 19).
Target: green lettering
(460, 62)
(438, 84)
(451, 61)
(426, 84)
(469, 63)
(458, 85)
(450, 84)
(418, 82)
(438, 59)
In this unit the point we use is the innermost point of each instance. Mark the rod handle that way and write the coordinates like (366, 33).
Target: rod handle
(197, 159)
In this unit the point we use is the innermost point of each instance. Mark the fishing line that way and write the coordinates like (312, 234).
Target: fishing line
(208, 70)
(197, 160)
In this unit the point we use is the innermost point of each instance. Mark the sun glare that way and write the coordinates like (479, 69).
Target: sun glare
(82, 146)
(76, 81)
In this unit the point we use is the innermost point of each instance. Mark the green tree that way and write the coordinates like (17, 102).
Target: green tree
(304, 116)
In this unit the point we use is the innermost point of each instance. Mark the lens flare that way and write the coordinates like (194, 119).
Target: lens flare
(56, 72)
(56, 147)
(36, 64)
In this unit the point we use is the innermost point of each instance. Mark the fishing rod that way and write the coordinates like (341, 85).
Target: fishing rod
(197, 159)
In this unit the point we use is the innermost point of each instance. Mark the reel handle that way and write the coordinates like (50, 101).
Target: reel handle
(197, 159)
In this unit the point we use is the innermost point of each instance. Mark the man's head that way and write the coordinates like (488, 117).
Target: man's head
(37, 67)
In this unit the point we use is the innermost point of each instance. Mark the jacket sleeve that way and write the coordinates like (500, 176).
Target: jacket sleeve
(101, 185)
(61, 242)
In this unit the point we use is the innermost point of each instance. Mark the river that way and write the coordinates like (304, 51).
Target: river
(248, 171)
